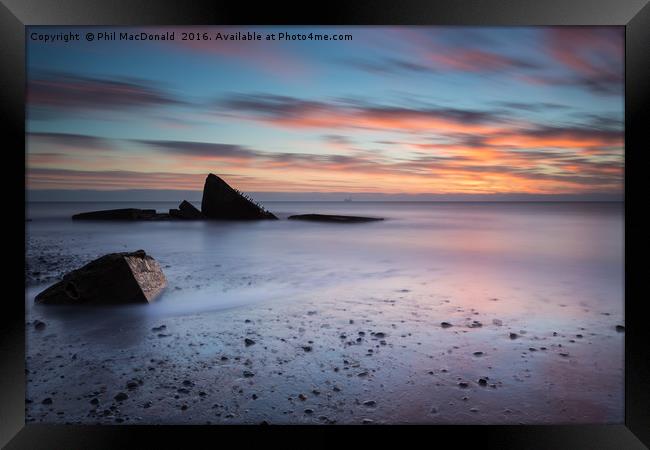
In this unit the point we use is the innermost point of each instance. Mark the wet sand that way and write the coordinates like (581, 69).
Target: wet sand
(347, 360)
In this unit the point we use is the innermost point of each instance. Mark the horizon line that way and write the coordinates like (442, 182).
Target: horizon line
(172, 195)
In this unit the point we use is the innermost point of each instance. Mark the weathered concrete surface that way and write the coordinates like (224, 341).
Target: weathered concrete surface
(222, 202)
(116, 278)
(189, 211)
(334, 218)
(118, 214)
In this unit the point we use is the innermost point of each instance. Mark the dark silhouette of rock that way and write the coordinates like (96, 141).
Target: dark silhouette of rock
(222, 202)
(189, 211)
(116, 278)
(186, 211)
(333, 218)
(117, 214)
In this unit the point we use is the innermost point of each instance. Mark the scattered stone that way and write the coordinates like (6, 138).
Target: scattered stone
(367, 421)
(445, 324)
(302, 397)
(463, 384)
(309, 411)
(94, 401)
(370, 403)
(160, 328)
(121, 397)
(497, 322)
(38, 325)
(307, 348)
(620, 328)
(482, 382)
(248, 374)
(248, 342)
(478, 353)
(514, 335)
(47, 401)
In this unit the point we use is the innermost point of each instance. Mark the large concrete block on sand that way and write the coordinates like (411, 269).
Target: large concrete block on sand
(116, 278)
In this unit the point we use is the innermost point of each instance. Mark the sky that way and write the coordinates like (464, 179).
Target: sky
(401, 111)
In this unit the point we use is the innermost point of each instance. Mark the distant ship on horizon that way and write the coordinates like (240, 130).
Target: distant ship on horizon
(347, 199)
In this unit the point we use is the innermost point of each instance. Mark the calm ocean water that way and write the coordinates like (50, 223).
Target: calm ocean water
(537, 246)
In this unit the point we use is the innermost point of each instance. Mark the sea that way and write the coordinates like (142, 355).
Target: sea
(543, 247)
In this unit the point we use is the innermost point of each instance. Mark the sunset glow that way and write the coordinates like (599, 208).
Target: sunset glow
(410, 110)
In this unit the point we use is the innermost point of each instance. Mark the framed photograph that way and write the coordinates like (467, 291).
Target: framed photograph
(372, 218)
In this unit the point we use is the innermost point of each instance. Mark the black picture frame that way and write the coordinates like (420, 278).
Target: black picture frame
(15, 15)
